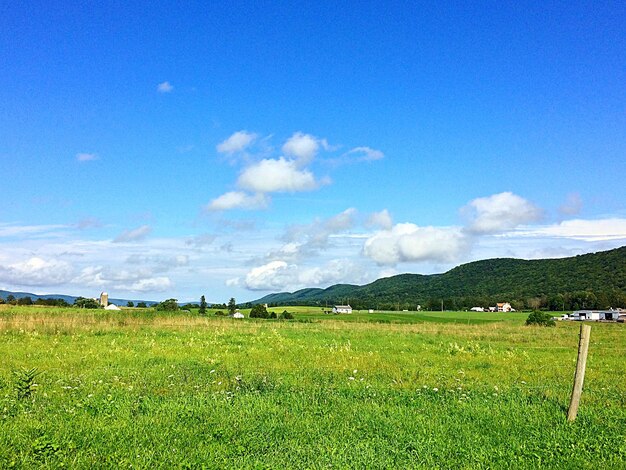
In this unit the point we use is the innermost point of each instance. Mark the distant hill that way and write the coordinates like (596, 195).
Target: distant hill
(68, 298)
(595, 280)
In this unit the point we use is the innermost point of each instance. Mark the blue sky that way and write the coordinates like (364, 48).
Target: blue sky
(238, 148)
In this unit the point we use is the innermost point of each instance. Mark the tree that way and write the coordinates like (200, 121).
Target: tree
(202, 309)
(169, 305)
(259, 311)
(25, 301)
(11, 299)
(142, 305)
(130, 303)
(232, 306)
(83, 302)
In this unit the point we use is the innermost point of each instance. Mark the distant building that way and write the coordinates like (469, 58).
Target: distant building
(104, 299)
(238, 315)
(112, 307)
(504, 307)
(612, 315)
(342, 309)
(477, 309)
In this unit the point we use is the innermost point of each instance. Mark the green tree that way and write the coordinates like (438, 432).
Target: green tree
(169, 305)
(232, 306)
(25, 301)
(202, 309)
(83, 302)
(142, 305)
(259, 311)
(130, 303)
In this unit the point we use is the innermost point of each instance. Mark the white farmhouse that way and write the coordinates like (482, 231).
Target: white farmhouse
(504, 307)
(342, 309)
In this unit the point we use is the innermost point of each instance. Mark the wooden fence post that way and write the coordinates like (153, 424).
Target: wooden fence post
(579, 377)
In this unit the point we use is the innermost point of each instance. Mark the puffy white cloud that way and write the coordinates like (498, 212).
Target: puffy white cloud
(282, 175)
(380, 219)
(36, 271)
(572, 205)
(280, 276)
(579, 229)
(86, 157)
(133, 235)
(271, 276)
(237, 142)
(238, 200)
(500, 212)
(303, 147)
(408, 242)
(165, 87)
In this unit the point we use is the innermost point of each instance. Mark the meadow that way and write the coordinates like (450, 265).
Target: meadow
(139, 389)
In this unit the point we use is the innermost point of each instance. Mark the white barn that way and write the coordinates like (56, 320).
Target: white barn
(342, 309)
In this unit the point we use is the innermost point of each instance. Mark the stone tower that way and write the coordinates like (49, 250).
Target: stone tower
(104, 299)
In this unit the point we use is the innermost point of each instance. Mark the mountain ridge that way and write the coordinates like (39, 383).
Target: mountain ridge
(601, 275)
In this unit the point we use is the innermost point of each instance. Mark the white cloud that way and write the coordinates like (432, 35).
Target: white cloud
(303, 147)
(237, 142)
(165, 87)
(500, 212)
(134, 235)
(139, 280)
(238, 200)
(86, 157)
(202, 240)
(36, 271)
(280, 175)
(380, 219)
(579, 229)
(308, 239)
(23, 231)
(271, 276)
(156, 284)
(572, 205)
(367, 154)
(88, 223)
(280, 276)
(408, 242)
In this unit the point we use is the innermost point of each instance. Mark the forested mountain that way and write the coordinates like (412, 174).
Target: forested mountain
(595, 280)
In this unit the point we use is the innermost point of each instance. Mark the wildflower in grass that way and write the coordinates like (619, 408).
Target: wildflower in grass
(350, 378)
(354, 371)
(212, 371)
(435, 389)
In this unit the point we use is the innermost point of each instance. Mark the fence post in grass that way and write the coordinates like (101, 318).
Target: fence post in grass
(579, 377)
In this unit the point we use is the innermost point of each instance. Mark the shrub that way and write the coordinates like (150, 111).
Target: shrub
(540, 318)
(219, 313)
(273, 315)
(286, 315)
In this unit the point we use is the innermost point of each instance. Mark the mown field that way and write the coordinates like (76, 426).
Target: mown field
(135, 389)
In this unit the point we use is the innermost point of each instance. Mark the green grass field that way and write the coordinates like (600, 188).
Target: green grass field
(135, 389)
